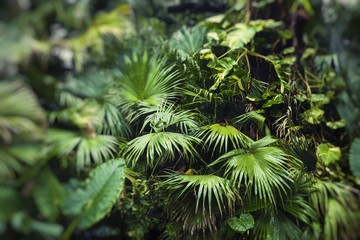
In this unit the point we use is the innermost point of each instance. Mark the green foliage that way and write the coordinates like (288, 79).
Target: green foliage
(203, 198)
(92, 203)
(161, 147)
(354, 157)
(146, 80)
(328, 153)
(228, 120)
(20, 128)
(89, 149)
(242, 223)
(219, 136)
(262, 169)
(49, 195)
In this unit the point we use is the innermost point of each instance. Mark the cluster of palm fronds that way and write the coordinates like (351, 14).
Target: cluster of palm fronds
(222, 130)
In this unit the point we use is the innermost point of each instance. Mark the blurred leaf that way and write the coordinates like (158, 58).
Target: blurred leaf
(354, 158)
(22, 222)
(10, 203)
(103, 188)
(328, 153)
(338, 124)
(49, 195)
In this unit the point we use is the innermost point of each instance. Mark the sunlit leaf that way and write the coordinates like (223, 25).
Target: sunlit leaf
(328, 153)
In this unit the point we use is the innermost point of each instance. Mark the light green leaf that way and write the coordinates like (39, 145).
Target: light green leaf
(314, 115)
(240, 36)
(242, 223)
(338, 124)
(319, 99)
(277, 99)
(328, 153)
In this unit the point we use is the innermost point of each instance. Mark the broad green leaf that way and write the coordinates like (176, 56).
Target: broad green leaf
(242, 223)
(314, 115)
(103, 187)
(354, 157)
(277, 99)
(319, 99)
(240, 36)
(328, 153)
(49, 195)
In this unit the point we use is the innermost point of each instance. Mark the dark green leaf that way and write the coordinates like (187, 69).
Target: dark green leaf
(242, 223)
(354, 157)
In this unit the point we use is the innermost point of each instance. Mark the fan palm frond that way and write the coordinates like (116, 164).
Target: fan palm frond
(338, 205)
(21, 118)
(276, 225)
(18, 157)
(146, 80)
(165, 115)
(89, 103)
(264, 170)
(254, 117)
(111, 121)
(161, 146)
(93, 85)
(188, 41)
(19, 110)
(85, 149)
(223, 137)
(198, 201)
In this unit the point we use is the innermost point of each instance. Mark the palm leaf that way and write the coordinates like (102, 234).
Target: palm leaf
(160, 146)
(93, 202)
(145, 80)
(165, 116)
(96, 108)
(264, 171)
(19, 110)
(337, 204)
(20, 129)
(219, 137)
(276, 225)
(85, 149)
(188, 41)
(254, 117)
(17, 158)
(197, 201)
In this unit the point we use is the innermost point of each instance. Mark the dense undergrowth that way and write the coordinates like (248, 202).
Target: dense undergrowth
(179, 119)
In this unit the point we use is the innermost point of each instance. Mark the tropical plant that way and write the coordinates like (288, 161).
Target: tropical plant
(179, 120)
